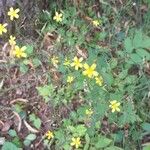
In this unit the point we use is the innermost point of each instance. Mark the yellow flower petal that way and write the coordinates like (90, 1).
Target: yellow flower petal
(13, 13)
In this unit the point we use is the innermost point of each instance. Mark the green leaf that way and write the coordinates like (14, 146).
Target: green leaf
(36, 121)
(31, 137)
(128, 45)
(146, 42)
(12, 133)
(87, 140)
(45, 90)
(108, 78)
(113, 148)
(123, 74)
(129, 115)
(26, 142)
(23, 68)
(138, 39)
(113, 63)
(103, 142)
(60, 136)
(147, 147)
(36, 62)
(143, 53)
(17, 141)
(29, 49)
(9, 146)
(81, 130)
(146, 126)
(136, 58)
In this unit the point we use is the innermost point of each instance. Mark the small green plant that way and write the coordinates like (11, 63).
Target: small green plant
(91, 77)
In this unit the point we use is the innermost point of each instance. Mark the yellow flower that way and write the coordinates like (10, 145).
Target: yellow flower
(66, 62)
(49, 135)
(2, 28)
(55, 60)
(13, 13)
(99, 80)
(58, 17)
(114, 105)
(96, 23)
(77, 63)
(12, 41)
(70, 79)
(19, 52)
(89, 112)
(75, 142)
(90, 70)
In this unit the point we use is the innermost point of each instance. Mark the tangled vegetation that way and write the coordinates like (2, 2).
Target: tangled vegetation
(75, 76)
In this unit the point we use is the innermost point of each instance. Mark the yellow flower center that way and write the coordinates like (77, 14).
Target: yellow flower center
(114, 105)
(58, 17)
(89, 112)
(19, 52)
(77, 63)
(13, 13)
(76, 142)
(96, 23)
(70, 79)
(49, 135)
(90, 70)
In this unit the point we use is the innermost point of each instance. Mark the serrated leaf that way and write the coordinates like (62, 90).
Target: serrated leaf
(81, 129)
(26, 142)
(12, 133)
(29, 49)
(128, 45)
(138, 39)
(45, 90)
(136, 58)
(36, 62)
(31, 137)
(146, 126)
(9, 146)
(103, 142)
(143, 53)
(113, 63)
(129, 115)
(23, 68)
(87, 140)
(37, 123)
(108, 78)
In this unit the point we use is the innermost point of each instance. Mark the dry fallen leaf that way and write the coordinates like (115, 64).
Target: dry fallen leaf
(19, 121)
(6, 126)
(31, 129)
(19, 100)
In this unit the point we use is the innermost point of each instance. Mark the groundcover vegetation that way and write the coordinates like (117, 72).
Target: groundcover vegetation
(75, 74)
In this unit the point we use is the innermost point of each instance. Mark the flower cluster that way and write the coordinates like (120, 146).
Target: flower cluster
(17, 51)
(75, 141)
(89, 71)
